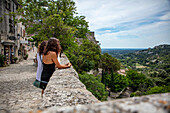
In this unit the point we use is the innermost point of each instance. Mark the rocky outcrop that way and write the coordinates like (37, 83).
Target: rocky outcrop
(159, 103)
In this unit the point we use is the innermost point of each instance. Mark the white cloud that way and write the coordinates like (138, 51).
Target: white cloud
(166, 16)
(128, 13)
(148, 36)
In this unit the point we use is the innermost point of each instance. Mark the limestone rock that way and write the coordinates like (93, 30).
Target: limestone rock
(157, 103)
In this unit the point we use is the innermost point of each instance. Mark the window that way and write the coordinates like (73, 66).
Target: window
(13, 7)
(16, 7)
(8, 5)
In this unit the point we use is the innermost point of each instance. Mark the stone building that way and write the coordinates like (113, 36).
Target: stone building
(11, 34)
(92, 38)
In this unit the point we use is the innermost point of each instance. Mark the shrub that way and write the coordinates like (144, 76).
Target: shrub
(26, 56)
(15, 59)
(118, 83)
(2, 59)
(93, 84)
(138, 81)
(158, 89)
(137, 93)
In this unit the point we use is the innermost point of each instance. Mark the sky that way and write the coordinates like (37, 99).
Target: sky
(127, 23)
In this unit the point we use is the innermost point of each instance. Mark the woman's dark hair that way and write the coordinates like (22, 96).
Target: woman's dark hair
(53, 45)
(42, 46)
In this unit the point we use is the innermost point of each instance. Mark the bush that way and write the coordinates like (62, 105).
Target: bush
(159, 81)
(15, 59)
(158, 89)
(26, 56)
(2, 59)
(84, 57)
(118, 83)
(93, 84)
(137, 93)
(138, 81)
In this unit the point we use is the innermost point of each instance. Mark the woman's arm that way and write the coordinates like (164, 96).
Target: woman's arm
(57, 64)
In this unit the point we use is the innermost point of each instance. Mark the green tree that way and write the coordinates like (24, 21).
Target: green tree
(53, 18)
(118, 83)
(138, 80)
(85, 57)
(94, 85)
(109, 63)
(158, 89)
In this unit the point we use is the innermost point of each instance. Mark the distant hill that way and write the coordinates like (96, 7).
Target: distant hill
(155, 58)
(118, 52)
(153, 63)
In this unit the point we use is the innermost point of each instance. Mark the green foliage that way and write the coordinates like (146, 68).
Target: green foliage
(109, 63)
(25, 57)
(2, 59)
(118, 83)
(1, 19)
(136, 93)
(137, 81)
(53, 19)
(159, 81)
(15, 58)
(94, 85)
(158, 89)
(31, 40)
(84, 57)
(81, 25)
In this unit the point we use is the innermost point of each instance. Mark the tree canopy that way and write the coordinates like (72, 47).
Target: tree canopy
(109, 63)
(53, 18)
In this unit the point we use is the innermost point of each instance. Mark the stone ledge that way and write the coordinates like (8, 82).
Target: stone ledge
(156, 103)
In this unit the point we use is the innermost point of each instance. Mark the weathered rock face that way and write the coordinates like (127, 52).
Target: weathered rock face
(159, 103)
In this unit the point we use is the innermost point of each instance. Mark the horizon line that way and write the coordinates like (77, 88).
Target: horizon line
(124, 48)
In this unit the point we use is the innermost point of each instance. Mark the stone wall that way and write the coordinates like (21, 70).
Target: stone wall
(68, 95)
(65, 89)
(159, 103)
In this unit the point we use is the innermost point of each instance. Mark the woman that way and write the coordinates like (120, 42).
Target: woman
(50, 62)
(39, 59)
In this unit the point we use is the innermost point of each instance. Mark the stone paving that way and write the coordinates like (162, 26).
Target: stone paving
(17, 94)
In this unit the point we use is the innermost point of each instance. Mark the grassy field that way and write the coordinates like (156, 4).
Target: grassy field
(140, 66)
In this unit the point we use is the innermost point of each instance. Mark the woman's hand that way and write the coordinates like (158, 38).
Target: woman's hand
(69, 64)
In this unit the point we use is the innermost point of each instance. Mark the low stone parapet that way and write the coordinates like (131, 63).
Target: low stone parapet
(157, 103)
